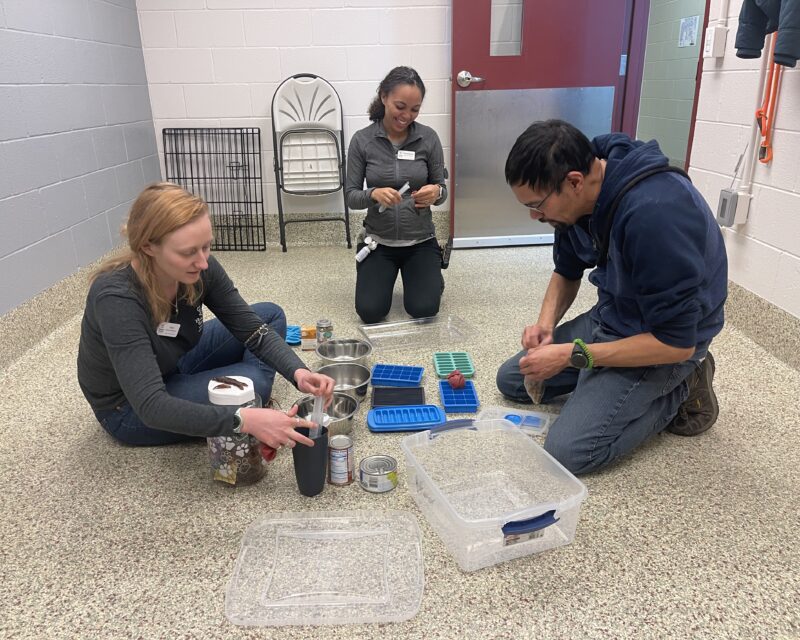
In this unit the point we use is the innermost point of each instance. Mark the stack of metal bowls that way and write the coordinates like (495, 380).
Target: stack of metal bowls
(340, 411)
(348, 350)
(350, 378)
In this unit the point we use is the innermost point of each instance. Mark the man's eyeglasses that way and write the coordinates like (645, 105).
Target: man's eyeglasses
(538, 207)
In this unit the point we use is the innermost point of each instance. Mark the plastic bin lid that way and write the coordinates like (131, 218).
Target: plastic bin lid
(316, 568)
(484, 472)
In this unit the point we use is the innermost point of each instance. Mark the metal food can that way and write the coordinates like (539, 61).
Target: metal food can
(341, 464)
(324, 330)
(378, 474)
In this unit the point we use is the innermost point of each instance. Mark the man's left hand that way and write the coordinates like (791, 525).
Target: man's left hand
(541, 363)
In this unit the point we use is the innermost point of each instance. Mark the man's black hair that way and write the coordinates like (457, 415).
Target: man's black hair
(546, 152)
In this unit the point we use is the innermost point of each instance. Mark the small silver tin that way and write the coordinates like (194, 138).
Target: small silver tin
(378, 474)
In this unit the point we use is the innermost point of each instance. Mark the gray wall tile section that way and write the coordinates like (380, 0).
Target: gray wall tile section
(152, 169)
(130, 179)
(64, 205)
(91, 239)
(22, 221)
(109, 146)
(101, 191)
(76, 137)
(36, 267)
(12, 123)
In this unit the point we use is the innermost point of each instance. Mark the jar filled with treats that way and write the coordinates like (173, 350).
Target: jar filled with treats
(236, 459)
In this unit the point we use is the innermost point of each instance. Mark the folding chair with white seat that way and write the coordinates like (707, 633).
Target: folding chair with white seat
(308, 141)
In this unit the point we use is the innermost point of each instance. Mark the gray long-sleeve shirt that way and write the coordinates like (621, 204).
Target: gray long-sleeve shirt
(121, 357)
(419, 161)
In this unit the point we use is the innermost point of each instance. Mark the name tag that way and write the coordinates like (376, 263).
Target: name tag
(405, 155)
(168, 329)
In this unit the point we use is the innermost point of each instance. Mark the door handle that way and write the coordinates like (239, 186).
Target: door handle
(465, 78)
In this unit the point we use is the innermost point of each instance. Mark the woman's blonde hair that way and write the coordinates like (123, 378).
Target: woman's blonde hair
(158, 211)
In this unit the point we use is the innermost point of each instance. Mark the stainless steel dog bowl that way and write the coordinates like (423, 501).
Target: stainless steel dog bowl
(344, 350)
(340, 411)
(352, 379)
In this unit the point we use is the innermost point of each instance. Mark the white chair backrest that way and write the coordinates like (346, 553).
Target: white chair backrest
(306, 102)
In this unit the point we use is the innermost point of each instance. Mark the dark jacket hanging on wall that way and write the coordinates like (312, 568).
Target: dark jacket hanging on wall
(760, 17)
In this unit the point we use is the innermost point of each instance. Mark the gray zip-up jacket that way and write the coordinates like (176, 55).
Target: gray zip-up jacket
(373, 157)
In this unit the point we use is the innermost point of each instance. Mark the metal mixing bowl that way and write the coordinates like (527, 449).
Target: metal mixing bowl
(340, 410)
(352, 379)
(344, 350)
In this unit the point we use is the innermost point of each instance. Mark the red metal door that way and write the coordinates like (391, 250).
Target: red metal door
(564, 44)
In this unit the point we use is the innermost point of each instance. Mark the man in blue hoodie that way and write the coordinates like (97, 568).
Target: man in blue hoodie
(637, 362)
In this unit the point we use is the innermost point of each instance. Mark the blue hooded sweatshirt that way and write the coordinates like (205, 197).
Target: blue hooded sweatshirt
(667, 271)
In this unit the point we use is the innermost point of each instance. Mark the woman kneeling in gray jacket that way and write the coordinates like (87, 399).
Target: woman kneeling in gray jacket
(392, 151)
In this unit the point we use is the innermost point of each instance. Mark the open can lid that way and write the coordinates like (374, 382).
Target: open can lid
(228, 394)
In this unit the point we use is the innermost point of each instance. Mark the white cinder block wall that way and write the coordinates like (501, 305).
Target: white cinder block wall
(76, 137)
(764, 254)
(217, 63)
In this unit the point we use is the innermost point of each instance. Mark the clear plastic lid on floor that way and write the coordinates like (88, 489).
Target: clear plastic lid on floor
(317, 568)
(437, 331)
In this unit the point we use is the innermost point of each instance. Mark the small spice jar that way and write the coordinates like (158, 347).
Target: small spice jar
(236, 459)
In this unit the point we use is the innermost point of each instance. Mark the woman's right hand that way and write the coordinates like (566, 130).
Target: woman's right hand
(386, 196)
(275, 429)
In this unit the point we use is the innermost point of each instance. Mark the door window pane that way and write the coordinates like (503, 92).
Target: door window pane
(506, 28)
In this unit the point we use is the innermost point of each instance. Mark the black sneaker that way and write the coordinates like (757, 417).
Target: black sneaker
(699, 411)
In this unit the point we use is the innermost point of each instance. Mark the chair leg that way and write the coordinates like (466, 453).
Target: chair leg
(347, 222)
(281, 223)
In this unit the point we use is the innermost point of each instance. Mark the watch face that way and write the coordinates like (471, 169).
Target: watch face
(578, 358)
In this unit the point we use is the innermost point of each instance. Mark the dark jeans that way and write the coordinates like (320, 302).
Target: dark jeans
(218, 353)
(612, 410)
(421, 268)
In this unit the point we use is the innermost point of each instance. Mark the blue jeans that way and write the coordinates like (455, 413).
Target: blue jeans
(612, 410)
(218, 353)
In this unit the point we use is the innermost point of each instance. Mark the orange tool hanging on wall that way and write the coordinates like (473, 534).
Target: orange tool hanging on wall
(766, 113)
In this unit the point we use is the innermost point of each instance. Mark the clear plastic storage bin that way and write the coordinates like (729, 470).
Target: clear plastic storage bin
(315, 568)
(491, 492)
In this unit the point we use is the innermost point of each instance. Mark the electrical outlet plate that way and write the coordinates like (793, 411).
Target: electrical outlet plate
(732, 208)
(714, 44)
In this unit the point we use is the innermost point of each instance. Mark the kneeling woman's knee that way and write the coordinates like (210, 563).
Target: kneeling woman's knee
(370, 313)
(423, 308)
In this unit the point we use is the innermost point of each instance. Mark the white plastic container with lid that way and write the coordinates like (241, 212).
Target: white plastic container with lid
(490, 491)
(236, 460)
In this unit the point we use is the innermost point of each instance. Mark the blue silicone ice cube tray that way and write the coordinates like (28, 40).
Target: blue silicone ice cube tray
(396, 375)
(459, 400)
(407, 418)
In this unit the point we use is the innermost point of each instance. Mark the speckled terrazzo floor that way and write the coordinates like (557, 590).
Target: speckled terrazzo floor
(688, 538)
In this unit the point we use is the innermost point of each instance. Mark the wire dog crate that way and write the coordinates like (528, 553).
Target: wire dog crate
(222, 166)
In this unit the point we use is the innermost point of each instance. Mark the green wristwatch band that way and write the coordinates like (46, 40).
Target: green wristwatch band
(585, 350)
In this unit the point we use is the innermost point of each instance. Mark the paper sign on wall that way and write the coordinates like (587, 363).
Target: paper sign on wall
(688, 32)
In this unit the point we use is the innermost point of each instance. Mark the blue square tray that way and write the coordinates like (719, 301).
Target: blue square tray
(408, 418)
(459, 400)
(396, 375)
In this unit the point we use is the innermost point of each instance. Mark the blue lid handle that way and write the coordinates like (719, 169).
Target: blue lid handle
(531, 524)
(450, 425)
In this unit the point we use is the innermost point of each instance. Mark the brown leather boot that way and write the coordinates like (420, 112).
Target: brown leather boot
(699, 411)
